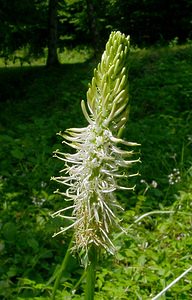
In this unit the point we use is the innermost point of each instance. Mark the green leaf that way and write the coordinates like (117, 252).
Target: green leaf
(16, 153)
(33, 244)
(10, 231)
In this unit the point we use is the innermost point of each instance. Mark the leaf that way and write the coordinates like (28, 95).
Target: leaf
(16, 153)
(12, 271)
(10, 231)
(33, 244)
(141, 260)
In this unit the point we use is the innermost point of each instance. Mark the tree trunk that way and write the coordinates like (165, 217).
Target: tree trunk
(52, 59)
(93, 23)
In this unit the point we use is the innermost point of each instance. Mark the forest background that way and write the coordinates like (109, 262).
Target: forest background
(36, 25)
(48, 50)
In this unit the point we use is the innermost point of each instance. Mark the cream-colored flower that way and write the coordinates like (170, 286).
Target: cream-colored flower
(92, 173)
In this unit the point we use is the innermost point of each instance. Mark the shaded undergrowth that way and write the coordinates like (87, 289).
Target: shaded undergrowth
(37, 102)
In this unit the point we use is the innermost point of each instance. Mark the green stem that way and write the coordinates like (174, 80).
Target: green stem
(91, 274)
(62, 268)
(79, 282)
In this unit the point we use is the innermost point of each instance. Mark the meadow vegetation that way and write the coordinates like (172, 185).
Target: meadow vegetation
(37, 102)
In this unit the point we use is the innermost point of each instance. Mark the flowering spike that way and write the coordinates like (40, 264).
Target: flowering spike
(94, 170)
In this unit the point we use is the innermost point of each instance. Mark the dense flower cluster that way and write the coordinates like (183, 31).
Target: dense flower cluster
(174, 177)
(92, 173)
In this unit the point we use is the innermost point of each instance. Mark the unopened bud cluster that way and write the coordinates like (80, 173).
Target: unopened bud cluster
(92, 173)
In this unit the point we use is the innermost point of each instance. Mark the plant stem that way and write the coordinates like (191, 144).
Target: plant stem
(91, 274)
(172, 283)
(62, 268)
(78, 282)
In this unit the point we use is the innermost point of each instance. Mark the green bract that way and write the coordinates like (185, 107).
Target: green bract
(107, 96)
(94, 170)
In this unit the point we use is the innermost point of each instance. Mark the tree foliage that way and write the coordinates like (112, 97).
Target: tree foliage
(24, 23)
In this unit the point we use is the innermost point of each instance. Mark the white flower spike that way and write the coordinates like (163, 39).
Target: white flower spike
(93, 171)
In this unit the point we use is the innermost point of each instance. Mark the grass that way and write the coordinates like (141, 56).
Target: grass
(22, 57)
(36, 103)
